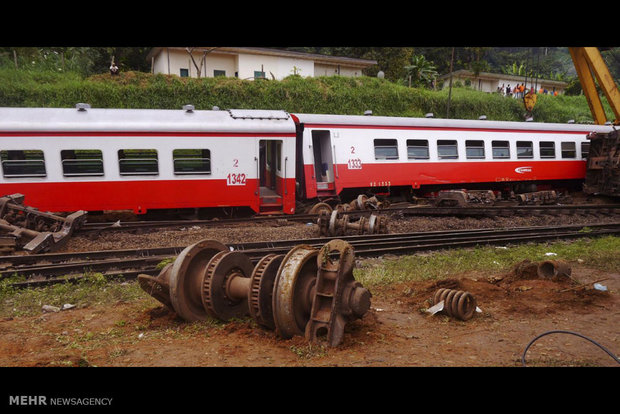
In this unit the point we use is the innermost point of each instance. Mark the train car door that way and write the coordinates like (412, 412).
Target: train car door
(271, 175)
(323, 162)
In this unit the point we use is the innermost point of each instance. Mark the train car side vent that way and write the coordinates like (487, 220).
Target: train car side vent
(482, 117)
(82, 106)
(257, 114)
(429, 115)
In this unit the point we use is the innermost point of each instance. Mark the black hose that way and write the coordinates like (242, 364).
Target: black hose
(571, 333)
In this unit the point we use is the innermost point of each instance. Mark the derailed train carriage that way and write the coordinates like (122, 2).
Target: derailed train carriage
(269, 161)
(603, 167)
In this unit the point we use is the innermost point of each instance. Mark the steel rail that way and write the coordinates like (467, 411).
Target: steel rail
(146, 260)
(409, 211)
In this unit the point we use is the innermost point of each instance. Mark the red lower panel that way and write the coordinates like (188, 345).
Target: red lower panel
(417, 174)
(136, 195)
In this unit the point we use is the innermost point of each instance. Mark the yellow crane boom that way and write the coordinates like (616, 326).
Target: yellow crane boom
(590, 64)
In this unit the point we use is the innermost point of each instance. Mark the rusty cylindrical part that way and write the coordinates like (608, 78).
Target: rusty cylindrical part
(226, 284)
(456, 303)
(549, 269)
(179, 285)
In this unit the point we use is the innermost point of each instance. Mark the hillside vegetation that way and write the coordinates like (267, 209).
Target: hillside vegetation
(329, 95)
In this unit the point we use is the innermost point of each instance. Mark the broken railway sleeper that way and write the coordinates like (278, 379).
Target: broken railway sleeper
(307, 292)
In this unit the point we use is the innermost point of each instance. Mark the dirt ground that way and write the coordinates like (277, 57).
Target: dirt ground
(396, 332)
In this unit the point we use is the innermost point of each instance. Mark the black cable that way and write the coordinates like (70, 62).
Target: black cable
(571, 333)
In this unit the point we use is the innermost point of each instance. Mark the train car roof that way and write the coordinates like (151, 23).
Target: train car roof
(316, 120)
(187, 119)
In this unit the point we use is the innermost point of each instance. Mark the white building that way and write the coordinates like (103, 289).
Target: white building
(250, 63)
(489, 82)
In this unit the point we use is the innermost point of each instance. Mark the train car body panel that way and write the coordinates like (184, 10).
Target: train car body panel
(147, 159)
(342, 152)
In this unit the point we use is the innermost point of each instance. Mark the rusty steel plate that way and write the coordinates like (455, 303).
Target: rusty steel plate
(292, 291)
(186, 278)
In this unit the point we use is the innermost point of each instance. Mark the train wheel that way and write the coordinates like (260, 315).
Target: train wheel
(293, 291)
(317, 208)
(186, 279)
(260, 296)
(225, 285)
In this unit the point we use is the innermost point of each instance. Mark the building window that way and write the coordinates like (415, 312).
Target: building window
(23, 163)
(386, 149)
(474, 149)
(585, 149)
(81, 162)
(569, 150)
(217, 73)
(184, 73)
(446, 149)
(501, 149)
(547, 149)
(417, 149)
(525, 149)
(191, 161)
(138, 162)
(259, 75)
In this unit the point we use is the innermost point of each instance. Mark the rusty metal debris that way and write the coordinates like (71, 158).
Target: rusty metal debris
(456, 303)
(361, 202)
(546, 269)
(306, 292)
(34, 230)
(337, 224)
(552, 269)
(603, 165)
(538, 197)
(462, 198)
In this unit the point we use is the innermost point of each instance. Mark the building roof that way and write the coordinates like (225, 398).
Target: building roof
(502, 76)
(334, 60)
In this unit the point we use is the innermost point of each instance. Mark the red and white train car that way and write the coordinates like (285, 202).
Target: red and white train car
(384, 154)
(141, 160)
(119, 159)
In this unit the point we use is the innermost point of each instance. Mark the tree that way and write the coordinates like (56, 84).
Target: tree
(420, 72)
(205, 52)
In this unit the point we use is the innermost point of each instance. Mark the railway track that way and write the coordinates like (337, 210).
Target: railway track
(46, 269)
(423, 210)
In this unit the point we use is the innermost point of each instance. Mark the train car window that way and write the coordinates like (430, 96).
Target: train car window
(474, 149)
(447, 149)
(569, 150)
(525, 149)
(23, 163)
(191, 161)
(547, 149)
(585, 149)
(81, 162)
(138, 162)
(501, 149)
(417, 149)
(386, 149)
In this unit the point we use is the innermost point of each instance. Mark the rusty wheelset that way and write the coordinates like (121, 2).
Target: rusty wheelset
(308, 291)
(337, 224)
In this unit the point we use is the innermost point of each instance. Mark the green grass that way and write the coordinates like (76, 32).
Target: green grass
(94, 290)
(323, 95)
(600, 253)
